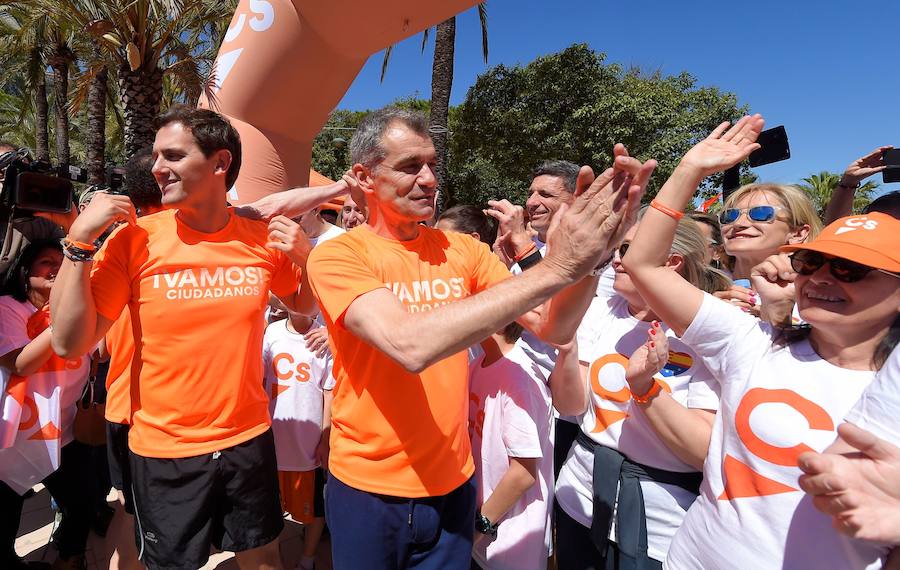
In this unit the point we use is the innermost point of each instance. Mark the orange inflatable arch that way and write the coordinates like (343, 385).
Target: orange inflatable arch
(283, 67)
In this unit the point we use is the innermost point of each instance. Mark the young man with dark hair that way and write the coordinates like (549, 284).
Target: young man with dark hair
(195, 279)
(402, 303)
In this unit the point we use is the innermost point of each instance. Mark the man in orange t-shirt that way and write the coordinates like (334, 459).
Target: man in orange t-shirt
(402, 303)
(195, 279)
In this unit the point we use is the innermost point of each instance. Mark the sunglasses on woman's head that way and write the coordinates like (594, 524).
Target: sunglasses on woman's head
(756, 213)
(807, 262)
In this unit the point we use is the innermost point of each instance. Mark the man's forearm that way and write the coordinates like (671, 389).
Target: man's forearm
(840, 204)
(418, 340)
(291, 203)
(72, 310)
(564, 312)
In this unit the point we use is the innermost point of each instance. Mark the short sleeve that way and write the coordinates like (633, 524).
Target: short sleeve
(110, 277)
(13, 327)
(488, 269)
(338, 275)
(876, 410)
(521, 413)
(727, 340)
(285, 275)
(703, 390)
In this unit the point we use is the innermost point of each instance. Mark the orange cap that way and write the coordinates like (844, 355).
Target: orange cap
(872, 239)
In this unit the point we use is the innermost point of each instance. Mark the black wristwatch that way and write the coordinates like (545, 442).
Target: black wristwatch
(485, 526)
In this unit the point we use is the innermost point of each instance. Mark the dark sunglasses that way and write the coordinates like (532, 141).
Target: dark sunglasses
(622, 249)
(807, 262)
(756, 214)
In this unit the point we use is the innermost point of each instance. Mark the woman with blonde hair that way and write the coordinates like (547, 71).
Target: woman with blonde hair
(758, 219)
(643, 455)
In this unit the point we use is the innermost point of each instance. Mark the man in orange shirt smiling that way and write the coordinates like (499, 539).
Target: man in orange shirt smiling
(402, 303)
(195, 279)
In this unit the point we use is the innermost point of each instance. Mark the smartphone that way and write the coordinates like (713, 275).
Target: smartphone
(774, 147)
(891, 159)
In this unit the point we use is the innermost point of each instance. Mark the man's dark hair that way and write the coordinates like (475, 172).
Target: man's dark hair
(886, 204)
(366, 148)
(563, 169)
(469, 219)
(6, 146)
(212, 132)
(15, 282)
(139, 184)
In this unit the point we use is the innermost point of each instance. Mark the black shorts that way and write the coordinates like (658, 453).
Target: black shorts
(117, 454)
(228, 499)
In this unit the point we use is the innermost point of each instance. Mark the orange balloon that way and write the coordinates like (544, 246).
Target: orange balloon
(284, 66)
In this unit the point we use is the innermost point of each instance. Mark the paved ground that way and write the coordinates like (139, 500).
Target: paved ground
(37, 525)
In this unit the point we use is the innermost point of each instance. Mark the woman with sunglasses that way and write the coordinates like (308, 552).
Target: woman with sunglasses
(644, 456)
(783, 392)
(758, 219)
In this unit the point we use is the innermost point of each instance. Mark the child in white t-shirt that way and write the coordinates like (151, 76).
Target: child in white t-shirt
(299, 384)
(509, 424)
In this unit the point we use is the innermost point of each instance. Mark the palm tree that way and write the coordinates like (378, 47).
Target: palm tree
(441, 85)
(23, 36)
(61, 57)
(819, 188)
(145, 39)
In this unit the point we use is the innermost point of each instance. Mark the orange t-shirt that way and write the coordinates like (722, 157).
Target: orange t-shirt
(196, 302)
(120, 345)
(394, 432)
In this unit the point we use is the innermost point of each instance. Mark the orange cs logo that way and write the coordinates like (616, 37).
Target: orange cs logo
(743, 481)
(282, 367)
(605, 417)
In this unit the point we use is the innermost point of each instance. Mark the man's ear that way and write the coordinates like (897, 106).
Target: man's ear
(363, 174)
(223, 161)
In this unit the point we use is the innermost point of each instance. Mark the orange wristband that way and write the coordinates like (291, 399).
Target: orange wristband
(644, 399)
(81, 244)
(674, 214)
(526, 253)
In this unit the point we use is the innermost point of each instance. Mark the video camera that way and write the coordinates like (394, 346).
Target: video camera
(36, 186)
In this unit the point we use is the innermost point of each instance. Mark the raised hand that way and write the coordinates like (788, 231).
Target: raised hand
(589, 228)
(773, 279)
(647, 360)
(725, 146)
(860, 491)
(865, 166)
(286, 235)
(510, 224)
(104, 209)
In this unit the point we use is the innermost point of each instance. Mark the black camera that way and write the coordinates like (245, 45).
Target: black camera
(35, 186)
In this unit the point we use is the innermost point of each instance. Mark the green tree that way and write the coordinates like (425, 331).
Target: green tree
(572, 105)
(23, 50)
(148, 39)
(820, 186)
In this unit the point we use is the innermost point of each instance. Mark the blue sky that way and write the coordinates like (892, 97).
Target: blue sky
(828, 71)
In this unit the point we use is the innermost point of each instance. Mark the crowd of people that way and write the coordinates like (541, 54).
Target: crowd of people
(577, 383)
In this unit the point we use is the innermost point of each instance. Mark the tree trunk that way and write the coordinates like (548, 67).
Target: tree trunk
(141, 93)
(59, 62)
(96, 125)
(441, 83)
(41, 119)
